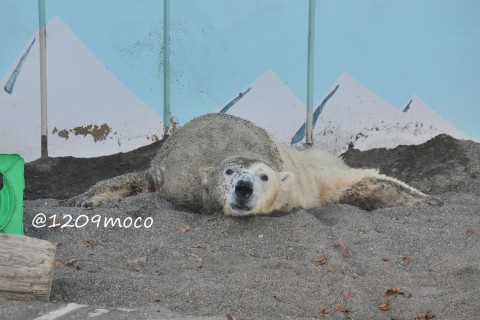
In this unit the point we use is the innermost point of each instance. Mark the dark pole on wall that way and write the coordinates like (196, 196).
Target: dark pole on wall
(43, 77)
(310, 71)
(166, 66)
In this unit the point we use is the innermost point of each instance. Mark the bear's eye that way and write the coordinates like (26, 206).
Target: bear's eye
(228, 171)
(264, 177)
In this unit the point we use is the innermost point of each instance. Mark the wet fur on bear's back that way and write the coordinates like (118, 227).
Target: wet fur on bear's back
(205, 142)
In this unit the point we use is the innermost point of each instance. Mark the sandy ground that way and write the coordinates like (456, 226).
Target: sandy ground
(333, 262)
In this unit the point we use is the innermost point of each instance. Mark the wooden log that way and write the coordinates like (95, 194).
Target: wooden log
(26, 267)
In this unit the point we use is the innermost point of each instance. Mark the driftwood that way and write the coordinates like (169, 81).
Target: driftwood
(26, 267)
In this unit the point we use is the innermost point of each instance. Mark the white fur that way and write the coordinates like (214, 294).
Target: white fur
(310, 179)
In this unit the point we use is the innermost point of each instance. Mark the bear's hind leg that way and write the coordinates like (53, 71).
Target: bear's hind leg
(380, 191)
(113, 189)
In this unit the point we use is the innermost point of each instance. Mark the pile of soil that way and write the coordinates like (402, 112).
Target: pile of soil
(64, 177)
(442, 164)
(332, 262)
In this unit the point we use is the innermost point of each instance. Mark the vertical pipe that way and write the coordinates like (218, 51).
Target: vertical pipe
(166, 66)
(310, 71)
(43, 77)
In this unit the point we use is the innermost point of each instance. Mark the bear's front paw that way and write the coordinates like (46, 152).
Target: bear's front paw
(83, 200)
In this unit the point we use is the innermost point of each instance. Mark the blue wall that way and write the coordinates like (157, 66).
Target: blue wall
(398, 49)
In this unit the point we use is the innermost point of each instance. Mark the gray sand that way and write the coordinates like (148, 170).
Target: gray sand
(271, 267)
(333, 262)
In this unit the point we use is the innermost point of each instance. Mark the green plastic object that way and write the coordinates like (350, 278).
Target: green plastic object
(11, 193)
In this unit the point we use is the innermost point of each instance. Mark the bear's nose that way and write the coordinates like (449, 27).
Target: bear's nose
(243, 189)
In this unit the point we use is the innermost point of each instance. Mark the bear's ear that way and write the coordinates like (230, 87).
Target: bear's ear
(286, 178)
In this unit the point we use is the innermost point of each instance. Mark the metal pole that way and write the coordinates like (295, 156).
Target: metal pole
(310, 71)
(43, 77)
(166, 66)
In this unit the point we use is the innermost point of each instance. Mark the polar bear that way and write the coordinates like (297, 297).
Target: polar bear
(222, 163)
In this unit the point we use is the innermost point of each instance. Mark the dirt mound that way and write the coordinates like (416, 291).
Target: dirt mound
(442, 164)
(64, 177)
(336, 261)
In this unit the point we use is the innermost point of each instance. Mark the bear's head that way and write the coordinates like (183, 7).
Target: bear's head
(251, 187)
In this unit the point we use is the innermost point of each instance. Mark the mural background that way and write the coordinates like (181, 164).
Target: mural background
(428, 48)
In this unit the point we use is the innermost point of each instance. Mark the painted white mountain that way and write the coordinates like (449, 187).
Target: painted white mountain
(427, 121)
(352, 115)
(90, 112)
(269, 103)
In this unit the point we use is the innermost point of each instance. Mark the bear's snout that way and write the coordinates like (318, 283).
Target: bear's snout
(244, 189)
